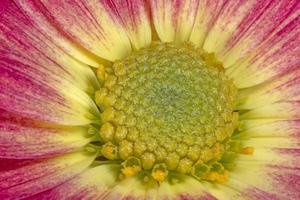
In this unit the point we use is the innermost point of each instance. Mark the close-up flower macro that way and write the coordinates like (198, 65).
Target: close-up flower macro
(150, 99)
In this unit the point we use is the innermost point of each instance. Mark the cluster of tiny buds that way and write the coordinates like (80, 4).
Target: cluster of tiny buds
(167, 109)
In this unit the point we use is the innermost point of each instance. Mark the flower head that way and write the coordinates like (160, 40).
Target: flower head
(157, 99)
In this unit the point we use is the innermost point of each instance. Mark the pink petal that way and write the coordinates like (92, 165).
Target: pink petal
(38, 79)
(17, 15)
(174, 19)
(272, 172)
(33, 92)
(207, 13)
(102, 182)
(135, 17)
(23, 138)
(262, 20)
(81, 22)
(283, 88)
(25, 178)
(98, 26)
(273, 55)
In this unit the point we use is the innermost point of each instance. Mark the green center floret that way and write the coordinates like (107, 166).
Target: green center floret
(166, 107)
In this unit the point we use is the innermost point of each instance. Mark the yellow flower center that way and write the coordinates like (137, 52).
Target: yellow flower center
(166, 109)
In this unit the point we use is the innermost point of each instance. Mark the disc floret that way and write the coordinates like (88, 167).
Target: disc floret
(167, 109)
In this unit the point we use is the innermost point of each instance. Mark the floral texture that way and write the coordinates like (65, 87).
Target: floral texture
(53, 55)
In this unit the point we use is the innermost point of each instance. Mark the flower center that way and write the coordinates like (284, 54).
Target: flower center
(166, 109)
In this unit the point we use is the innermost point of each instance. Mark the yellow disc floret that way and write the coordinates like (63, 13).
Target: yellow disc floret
(166, 109)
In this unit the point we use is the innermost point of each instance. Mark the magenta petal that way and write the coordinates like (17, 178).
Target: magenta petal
(19, 15)
(38, 79)
(175, 20)
(135, 17)
(89, 24)
(101, 183)
(25, 178)
(273, 57)
(23, 138)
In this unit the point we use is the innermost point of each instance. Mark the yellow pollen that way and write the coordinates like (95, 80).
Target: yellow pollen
(101, 72)
(247, 150)
(109, 151)
(217, 177)
(130, 171)
(159, 175)
(159, 172)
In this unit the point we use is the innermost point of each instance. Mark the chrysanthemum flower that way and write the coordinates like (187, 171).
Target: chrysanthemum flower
(158, 99)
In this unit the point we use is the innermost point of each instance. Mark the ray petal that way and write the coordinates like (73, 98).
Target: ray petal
(283, 88)
(242, 26)
(207, 13)
(277, 110)
(23, 178)
(20, 15)
(102, 182)
(276, 177)
(37, 92)
(39, 79)
(23, 138)
(135, 17)
(88, 24)
(174, 19)
(272, 171)
(274, 56)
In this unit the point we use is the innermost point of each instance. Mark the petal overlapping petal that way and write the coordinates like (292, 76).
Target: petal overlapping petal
(32, 91)
(101, 27)
(23, 138)
(18, 15)
(284, 88)
(261, 23)
(23, 178)
(255, 40)
(276, 177)
(38, 79)
(174, 19)
(278, 110)
(272, 171)
(102, 182)
(135, 17)
(273, 58)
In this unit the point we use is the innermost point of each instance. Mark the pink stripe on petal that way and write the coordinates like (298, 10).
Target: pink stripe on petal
(227, 21)
(21, 41)
(207, 13)
(276, 56)
(17, 15)
(25, 91)
(86, 23)
(37, 76)
(282, 88)
(286, 181)
(101, 182)
(135, 17)
(94, 183)
(264, 181)
(174, 19)
(23, 138)
(260, 23)
(257, 194)
(192, 197)
(272, 171)
(40, 175)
